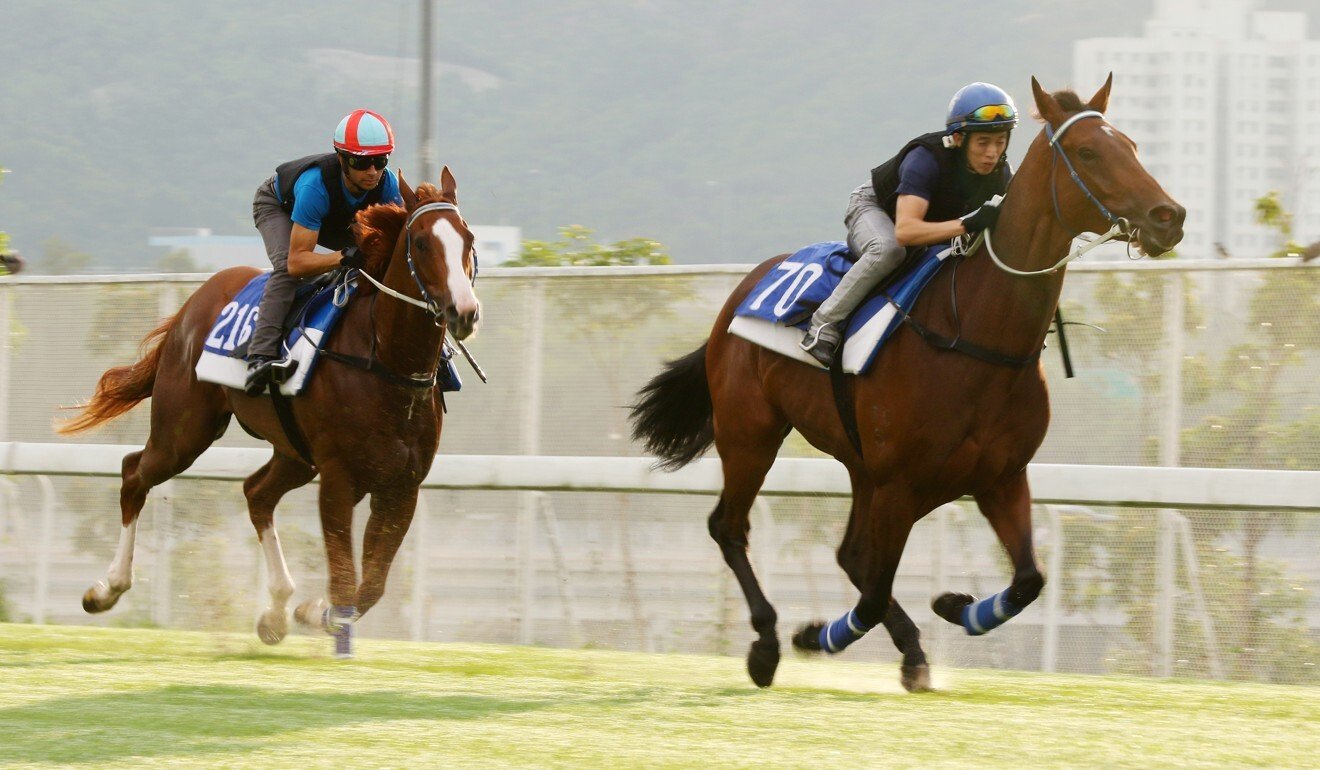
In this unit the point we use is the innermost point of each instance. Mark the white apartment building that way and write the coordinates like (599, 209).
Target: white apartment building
(1223, 100)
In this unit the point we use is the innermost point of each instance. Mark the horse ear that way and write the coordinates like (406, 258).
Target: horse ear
(1100, 101)
(406, 192)
(448, 186)
(1046, 107)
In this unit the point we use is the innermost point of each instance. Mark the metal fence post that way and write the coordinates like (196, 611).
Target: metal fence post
(1049, 651)
(531, 445)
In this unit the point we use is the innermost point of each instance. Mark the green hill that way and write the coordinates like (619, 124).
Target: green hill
(729, 132)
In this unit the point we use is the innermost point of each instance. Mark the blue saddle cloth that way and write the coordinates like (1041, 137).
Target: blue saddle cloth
(223, 353)
(313, 303)
(790, 293)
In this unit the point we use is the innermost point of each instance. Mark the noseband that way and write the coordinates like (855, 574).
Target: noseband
(427, 302)
(1119, 227)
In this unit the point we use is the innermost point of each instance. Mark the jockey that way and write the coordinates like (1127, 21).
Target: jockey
(936, 188)
(311, 201)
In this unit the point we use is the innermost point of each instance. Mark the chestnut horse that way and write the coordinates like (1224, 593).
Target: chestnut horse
(368, 431)
(935, 422)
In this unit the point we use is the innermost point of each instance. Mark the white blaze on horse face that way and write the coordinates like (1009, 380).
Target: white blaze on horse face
(460, 288)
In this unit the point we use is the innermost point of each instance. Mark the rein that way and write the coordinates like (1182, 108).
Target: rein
(1119, 227)
(426, 303)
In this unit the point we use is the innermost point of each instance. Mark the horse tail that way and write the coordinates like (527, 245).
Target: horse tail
(672, 416)
(122, 387)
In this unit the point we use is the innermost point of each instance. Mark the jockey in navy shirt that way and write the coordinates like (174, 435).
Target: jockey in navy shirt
(312, 201)
(936, 188)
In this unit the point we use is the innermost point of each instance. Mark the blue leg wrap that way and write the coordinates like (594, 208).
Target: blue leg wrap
(836, 636)
(989, 613)
(339, 621)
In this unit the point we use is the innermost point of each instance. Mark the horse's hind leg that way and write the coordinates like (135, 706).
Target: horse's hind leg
(747, 449)
(852, 556)
(263, 490)
(181, 429)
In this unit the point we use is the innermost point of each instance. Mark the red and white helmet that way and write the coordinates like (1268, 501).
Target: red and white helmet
(363, 132)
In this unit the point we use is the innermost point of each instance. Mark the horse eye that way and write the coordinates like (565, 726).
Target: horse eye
(1086, 154)
(421, 243)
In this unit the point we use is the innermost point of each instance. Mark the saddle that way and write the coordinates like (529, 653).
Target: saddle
(317, 308)
(778, 309)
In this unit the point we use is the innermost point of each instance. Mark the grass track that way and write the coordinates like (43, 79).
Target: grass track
(143, 698)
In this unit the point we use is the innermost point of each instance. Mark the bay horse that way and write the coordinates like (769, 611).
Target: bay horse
(934, 422)
(369, 431)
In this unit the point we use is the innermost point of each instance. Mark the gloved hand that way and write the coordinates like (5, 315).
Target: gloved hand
(353, 258)
(984, 217)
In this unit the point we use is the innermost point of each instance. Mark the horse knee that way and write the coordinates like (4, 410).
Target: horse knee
(720, 531)
(1026, 588)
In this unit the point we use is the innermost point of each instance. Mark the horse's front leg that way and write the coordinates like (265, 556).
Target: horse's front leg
(338, 496)
(1008, 509)
(391, 515)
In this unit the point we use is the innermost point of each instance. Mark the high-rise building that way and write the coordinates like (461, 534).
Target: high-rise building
(1223, 100)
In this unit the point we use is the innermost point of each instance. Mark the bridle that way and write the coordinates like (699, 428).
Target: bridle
(1119, 226)
(427, 302)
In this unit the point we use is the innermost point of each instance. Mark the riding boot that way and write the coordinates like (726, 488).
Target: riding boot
(822, 343)
(263, 370)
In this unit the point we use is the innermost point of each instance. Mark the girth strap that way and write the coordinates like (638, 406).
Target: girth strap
(843, 401)
(284, 411)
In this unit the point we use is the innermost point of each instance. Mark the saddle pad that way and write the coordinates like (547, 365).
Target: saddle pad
(792, 291)
(223, 360)
(868, 328)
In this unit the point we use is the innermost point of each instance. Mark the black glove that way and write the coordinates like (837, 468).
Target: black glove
(983, 218)
(353, 258)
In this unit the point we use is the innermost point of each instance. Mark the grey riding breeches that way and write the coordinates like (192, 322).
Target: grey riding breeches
(872, 241)
(275, 226)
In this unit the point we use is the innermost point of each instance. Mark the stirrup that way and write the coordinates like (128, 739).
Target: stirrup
(822, 348)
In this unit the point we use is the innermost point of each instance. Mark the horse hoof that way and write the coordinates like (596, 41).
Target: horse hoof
(311, 614)
(915, 678)
(807, 638)
(98, 598)
(762, 660)
(273, 626)
(950, 606)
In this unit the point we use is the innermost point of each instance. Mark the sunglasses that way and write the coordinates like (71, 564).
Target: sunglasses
(363, 162)
(991, 112)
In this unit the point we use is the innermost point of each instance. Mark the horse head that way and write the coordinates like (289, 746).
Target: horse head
(440, 253)
(1111, 186)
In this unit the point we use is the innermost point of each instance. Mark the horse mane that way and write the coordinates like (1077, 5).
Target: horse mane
(377, 229)
(1069, 100)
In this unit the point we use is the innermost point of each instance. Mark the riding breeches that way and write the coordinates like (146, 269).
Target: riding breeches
(275, 226)
(872, 241)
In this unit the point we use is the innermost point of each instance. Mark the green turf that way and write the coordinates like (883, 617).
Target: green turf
(140, 698)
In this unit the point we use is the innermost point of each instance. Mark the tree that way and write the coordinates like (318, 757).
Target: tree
(59, 257)
(575, 248)
(4, 237)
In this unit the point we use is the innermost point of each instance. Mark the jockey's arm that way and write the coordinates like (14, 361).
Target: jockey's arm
(304, 262)
(911, 229)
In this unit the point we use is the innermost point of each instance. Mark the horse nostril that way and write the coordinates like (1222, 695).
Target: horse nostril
(1168, 215)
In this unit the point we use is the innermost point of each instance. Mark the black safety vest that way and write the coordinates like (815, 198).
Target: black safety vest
(958, 191)
(335, 233)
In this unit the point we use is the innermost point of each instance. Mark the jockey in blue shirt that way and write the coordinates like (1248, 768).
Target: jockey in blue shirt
(936, 188)
(308, 202)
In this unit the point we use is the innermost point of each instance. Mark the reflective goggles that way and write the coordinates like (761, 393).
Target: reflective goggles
(363, 162)
(990, 113)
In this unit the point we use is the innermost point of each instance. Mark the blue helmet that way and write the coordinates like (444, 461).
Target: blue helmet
(981, 107)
